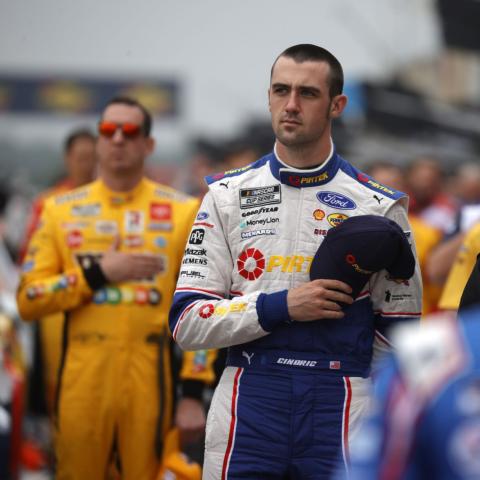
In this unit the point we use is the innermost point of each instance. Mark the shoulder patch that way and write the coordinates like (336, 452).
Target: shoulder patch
(235, 172)
(172, 194)
(72, 196)
(370, 183)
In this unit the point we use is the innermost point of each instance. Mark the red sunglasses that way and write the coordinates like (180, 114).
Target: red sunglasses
(129, 130)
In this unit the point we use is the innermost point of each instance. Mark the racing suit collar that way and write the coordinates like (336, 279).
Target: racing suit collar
(300, 178)
(121, 198)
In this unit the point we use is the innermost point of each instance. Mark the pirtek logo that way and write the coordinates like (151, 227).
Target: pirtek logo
(289, 264)
(297, 181)
(251, 263)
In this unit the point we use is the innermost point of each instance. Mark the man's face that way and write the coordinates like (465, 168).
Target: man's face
(300, 102)
(119, 154)
(81, 160)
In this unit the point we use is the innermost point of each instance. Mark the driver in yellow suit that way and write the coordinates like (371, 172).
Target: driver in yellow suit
(461, 269)
(108, 255)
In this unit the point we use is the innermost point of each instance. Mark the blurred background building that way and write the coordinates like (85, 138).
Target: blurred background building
(412, 73)
(412, 70)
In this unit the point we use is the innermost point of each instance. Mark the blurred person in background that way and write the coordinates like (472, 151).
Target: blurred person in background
(425, 420)
(462, 263)
(81, 166)
(297, 376)
(426, 236)
(429, 200)
(107, 255)
(466, 187)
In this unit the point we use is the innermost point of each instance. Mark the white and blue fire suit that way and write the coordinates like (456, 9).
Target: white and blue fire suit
(292, 391)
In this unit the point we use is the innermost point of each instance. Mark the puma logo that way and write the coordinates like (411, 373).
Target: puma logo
(378, 199)
(247, 356)
(224, 184)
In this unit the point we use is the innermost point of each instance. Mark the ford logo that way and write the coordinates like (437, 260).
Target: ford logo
(336, 200)
(202, 215)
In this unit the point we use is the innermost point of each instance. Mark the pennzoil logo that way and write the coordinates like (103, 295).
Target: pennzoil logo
(335, 219)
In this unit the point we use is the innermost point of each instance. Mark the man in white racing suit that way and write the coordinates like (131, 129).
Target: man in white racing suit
(300, 351)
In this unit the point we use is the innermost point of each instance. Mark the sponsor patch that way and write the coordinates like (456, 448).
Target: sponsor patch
(206, 311)
(258, 211)
(88, 210)
(335, 219)
(401, 297)
(133, 241)
(195, 251)
(336, 200)
(202, 216)
(106, 227)
(159, 226)
(260, 221)
(318, 214)
(160, 242)
(320, 231)
(300, 181)
(194, 261)
(74, 225)
(378, 186)
(258, 233)
(251, 264)
(254, 197)
(74, 239)
(161, 212)
(71, 196)
(196, 237)
(134, 221)
(194, 274)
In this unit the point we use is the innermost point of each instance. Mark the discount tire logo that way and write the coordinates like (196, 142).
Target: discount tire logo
(251, 264)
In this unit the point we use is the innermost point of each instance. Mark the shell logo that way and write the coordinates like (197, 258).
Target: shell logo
(318, 214)
(206, 311)
(251, 264)
(335, 219)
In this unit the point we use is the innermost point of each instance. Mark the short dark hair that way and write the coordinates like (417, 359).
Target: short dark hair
(77, 134)
(147, 116)
(307, 52)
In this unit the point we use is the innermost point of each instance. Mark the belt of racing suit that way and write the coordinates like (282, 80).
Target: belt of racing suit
(288, 360)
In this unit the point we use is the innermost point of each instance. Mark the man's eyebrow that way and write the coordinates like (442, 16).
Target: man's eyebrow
(300, 87)
(279, 84)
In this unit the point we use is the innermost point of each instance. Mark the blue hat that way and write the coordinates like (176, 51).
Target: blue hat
(361, 246)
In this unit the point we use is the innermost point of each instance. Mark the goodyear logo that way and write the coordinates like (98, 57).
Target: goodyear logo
(335, 219)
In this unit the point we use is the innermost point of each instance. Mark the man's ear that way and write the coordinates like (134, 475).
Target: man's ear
(337, 105)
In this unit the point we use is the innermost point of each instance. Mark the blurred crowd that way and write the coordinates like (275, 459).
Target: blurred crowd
(444, 212)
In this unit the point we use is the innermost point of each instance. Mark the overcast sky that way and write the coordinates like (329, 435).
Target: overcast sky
(221, 51)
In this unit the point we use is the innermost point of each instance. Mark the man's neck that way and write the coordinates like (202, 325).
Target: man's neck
(304, 156)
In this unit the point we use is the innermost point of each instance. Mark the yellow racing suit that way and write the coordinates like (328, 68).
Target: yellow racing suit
(461, 270)
(115, 389)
